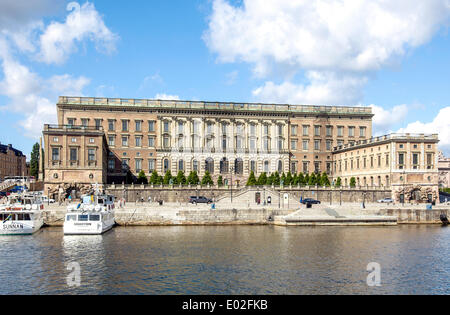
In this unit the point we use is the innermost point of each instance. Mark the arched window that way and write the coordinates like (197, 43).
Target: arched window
(266, 166)
(209, 165)
(253, 166)
(224, 166)
(166, 165)
(239, 166)
(181, 165)
(280, 167)
(195, 165)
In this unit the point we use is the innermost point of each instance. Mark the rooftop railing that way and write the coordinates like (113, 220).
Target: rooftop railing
(175, 104)
(71, 128)
(392, 136)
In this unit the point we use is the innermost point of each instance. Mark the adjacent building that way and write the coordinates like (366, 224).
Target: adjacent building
(407, 163)
(444, 170)
(12, 162)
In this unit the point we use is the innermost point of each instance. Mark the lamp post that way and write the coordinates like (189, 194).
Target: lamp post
(48, 196)
(231, 183)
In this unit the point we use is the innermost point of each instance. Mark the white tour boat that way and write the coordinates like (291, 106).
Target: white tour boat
(21, 215)
(93, 216)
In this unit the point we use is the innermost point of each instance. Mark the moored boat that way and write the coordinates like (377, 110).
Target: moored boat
(93, 216)
(21, 215)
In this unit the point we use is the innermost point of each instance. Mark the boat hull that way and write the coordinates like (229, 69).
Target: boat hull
(20, 227)
(87, 228)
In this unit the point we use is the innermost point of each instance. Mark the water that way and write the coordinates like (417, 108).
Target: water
(230, 260)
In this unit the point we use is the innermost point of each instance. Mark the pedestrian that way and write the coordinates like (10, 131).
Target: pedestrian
(70, 199)
(149, 199)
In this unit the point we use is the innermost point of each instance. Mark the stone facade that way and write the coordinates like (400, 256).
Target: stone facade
(12, 162)
(444, 171)
(227, 139)
(405, 162)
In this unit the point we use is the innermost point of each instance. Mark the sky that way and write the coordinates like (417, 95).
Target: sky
(393, 56)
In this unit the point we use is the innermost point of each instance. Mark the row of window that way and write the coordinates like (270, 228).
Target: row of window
(329, 131)
(73, 154)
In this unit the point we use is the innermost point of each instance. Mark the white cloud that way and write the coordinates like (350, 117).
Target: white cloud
(353, 35)
(385, 119)
(232, 77)
(167, 97)
(324, 88)
(439, 125)
(348, 39)
(59, 39)
(33, 96)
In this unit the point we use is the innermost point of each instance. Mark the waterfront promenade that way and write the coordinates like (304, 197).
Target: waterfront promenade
(142, 214)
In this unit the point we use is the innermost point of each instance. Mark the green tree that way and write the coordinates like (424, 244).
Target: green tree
(270, 180)
(289, 179)
(301, 179)
(307, 179)
(154, 178)
(251, 179)
(312, 180)
(262, 179)
(325, 180)
(295, 180)
(34, 161)
(283, 179)
(142, 178)
(160, 180)
(220, 181)
(207, 179)
(353, 182)
(338, 182)
(276, 179)
(181, 179)
(195, 180)
(167, 178)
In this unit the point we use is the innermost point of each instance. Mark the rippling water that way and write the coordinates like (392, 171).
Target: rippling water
(230, 260)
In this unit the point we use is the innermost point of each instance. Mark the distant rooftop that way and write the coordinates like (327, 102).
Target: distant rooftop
(390, 137)
(199, 105)
(5, 148)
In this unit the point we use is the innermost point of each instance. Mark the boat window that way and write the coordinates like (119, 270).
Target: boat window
(26, 217)
(2, 218)
(100, 201)
(20, 217)
(71, 217)
(83, 217)
(94, 217)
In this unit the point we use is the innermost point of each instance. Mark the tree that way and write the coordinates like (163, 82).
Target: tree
(301, 179)
(34, 161)
(338, 182)
(181, 179)
(167, 178)
(142, 178)
(251, 179)
(270, 180)
(276, 179)
(289, 179)
(307, 179)
(312, 180)
(193, 178)
(295, 180)
(283, 179)
(353, 182)
(154, 178)
(262, 180)
(220, 181)
(207, 179)
(325, 180)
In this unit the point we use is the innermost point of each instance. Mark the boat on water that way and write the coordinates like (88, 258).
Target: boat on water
(21, 214)
(93, 216)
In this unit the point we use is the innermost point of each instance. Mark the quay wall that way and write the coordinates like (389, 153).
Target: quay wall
(182, 193)
(143, 215)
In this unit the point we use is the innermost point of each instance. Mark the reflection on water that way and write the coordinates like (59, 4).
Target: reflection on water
(230, 260)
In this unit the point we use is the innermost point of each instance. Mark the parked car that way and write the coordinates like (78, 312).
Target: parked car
(46, 200)
(311, 201)
(386, 200)
(3, 194)
(200, 199)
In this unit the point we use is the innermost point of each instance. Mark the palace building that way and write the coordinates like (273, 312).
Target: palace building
(12, 162)
(104, 140)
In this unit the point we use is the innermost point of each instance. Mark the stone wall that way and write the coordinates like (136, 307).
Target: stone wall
(181, 194)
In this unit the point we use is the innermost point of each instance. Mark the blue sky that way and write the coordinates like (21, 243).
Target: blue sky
(217, 50)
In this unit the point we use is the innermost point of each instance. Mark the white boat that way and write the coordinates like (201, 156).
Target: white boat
(21, 215)
(93, 216)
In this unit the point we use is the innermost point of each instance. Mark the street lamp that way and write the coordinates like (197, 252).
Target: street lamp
(231, 184)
